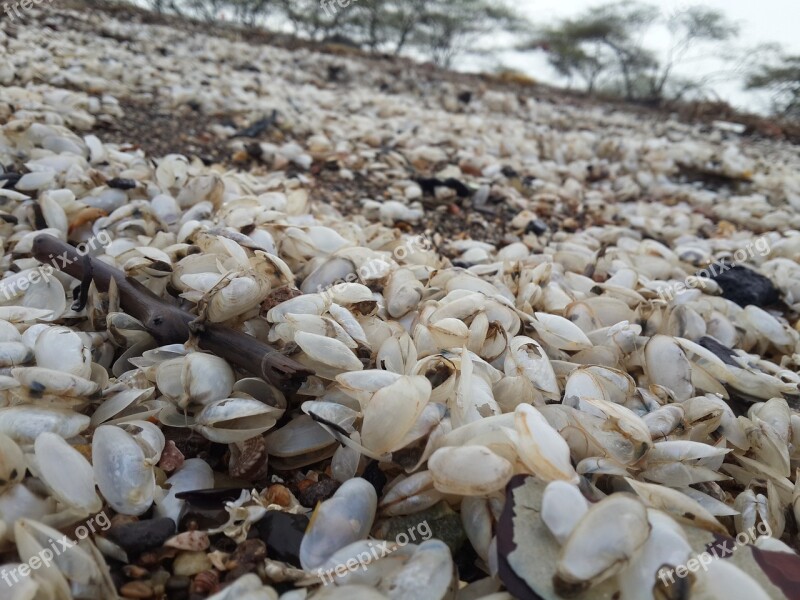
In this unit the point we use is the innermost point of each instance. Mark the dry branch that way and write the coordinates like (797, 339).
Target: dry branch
(169, 324)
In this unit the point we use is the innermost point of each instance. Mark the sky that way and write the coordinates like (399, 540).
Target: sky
(760, 21)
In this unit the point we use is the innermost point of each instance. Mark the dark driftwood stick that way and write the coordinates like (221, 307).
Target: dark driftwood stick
(169, 324)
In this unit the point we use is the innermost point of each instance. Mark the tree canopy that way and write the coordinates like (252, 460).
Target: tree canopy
(435, 29)
(780, 77)
(604, 47)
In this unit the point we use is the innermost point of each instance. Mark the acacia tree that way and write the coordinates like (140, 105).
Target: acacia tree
(604, 47)
(689, 28)
(309, 20)
(780, 77)
(436, 29)
(384, 25)
(448, 28)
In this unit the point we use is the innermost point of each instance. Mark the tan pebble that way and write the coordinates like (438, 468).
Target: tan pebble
(161, 476)
(136, 589)
(191, 563)
(220, 560)
(171, 458)
(135, 572)
(206, 582)
(122, 520)
(87, 215)
(85, 450)
(278, 494)
(189, 540)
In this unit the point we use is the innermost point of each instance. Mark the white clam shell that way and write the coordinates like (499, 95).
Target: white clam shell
(117, 403)
(469, 470)
(66, 472)
(563, 506)
(299, 436)
(361, 385)
(541, 447)
(148, 436)
(392, 412)
(205, 379)
(560, 333)
(14, 353)
(345, 517)
(194, 474)
(12, 462)
(228, 420)
(666, 547)
(40, 380)
(604, 540)
(21, 314)
(61, 349)
(77, 565)
(122, 471)
(667, 365)
(24, 424)
(429, 572)
(330, 354)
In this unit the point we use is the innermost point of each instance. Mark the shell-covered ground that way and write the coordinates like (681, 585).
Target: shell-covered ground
(554, 345)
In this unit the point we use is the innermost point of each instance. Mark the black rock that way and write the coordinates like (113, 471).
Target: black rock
(11, 178)
(210, 499)
(254, 150)
(536, 227)
(249, 67)
(721, 351)
(259, 127)
(375, 476)
(282, 532)
(121, 184)
(742, 285)
(465, 97)
(140, 536)
(509, 172)
(429, 185)
(466, 561)
(454, 184)
(336, 72)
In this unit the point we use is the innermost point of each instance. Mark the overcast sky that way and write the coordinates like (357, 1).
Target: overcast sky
(760, 21)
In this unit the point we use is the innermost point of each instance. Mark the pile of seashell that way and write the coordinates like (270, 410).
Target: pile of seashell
(570, 413)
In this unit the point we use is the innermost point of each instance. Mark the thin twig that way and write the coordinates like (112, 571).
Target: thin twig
(169, 324)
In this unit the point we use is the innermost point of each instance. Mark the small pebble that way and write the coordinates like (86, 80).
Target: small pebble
(135, 538)
(191, 563)
(310, 494)
(282, 532)
(136, 589)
